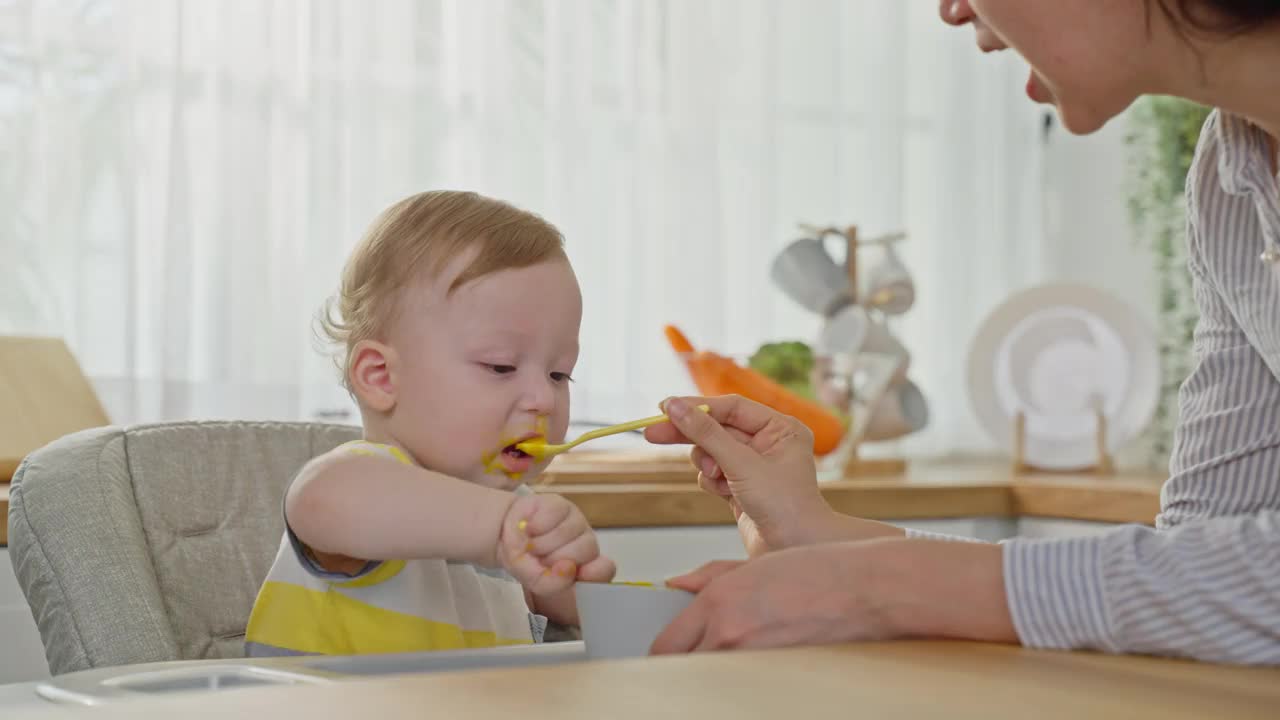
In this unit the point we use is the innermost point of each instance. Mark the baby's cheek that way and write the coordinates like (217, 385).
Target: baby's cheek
(455, 449)
(559, 425)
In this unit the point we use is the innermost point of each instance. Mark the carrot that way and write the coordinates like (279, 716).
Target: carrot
(827, 428)
(712, 373)
(715, 374)
(678, 341)
(706, 369)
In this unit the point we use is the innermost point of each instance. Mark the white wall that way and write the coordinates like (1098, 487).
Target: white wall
(1086, 217)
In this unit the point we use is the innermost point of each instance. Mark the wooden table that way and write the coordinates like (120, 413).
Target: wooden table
(955, 681)
(637, 489)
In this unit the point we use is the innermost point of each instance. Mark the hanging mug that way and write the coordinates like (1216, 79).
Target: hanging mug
(807, 273)
(888, 287)
(902, 411)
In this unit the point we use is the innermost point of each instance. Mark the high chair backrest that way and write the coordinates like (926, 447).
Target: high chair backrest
(148, 543)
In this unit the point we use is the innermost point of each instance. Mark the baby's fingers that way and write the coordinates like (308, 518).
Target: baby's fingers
(581, 550)
(549, 512)
(572, 527)
(523, 565)
(559, 576)
(602, 569)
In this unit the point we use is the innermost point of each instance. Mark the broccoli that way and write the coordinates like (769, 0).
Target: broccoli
(787, 363)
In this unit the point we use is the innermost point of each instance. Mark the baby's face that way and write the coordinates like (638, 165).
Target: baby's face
(486, 367)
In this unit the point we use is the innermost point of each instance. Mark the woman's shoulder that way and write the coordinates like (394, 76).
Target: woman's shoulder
(1203, 176)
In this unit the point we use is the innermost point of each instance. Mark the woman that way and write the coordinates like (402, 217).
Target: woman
(1206, 582)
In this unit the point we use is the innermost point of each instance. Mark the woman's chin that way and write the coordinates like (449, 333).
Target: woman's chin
(1086, 119)
(1081, 122)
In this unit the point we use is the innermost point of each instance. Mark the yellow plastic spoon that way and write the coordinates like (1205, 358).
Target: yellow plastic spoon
(539, 449)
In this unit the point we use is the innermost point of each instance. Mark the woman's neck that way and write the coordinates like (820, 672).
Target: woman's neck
(1240, 75)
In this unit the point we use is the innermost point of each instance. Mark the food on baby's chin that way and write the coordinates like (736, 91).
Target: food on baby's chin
(514, 458)
(492, 463)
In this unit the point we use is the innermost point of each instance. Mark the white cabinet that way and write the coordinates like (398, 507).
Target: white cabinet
(21, 652)
(990, 529)
(1055, 528)
(655, 554)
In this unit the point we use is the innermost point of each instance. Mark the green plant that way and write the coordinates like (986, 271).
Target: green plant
(1162, 139)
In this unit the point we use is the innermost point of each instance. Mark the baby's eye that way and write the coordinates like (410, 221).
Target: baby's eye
(501, 369)
(561, 377)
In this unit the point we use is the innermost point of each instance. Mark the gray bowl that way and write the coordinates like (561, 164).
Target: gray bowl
(620, 620)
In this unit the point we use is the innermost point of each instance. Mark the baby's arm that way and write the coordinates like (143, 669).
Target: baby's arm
(347, 507)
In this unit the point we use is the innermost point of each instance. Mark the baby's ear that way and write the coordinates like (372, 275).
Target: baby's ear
(373, 375)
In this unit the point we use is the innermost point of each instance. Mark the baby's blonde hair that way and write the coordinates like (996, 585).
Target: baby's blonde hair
(418, 237)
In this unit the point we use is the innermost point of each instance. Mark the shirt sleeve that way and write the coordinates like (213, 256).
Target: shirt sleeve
(1208, 590)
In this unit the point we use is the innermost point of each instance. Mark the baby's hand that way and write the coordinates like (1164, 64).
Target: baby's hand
(547, 544)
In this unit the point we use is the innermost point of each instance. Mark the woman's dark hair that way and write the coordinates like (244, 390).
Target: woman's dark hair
(1224, 17)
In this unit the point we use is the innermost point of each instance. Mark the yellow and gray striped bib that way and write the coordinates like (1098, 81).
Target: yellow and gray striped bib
(389, 606)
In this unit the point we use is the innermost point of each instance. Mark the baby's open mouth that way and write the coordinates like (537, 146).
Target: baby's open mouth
(515, 452)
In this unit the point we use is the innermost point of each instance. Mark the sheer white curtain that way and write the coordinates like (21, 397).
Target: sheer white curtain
(182, 180)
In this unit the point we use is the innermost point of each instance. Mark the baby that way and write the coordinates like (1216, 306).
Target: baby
(459, 318)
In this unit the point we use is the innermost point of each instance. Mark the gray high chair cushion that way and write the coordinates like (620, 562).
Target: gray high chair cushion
(148, 543)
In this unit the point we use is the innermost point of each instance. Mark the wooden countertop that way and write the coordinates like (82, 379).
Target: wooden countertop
(635, 489)
(955, 681)
(632, 489)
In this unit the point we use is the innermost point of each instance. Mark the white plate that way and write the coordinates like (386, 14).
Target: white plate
(1053, 351)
